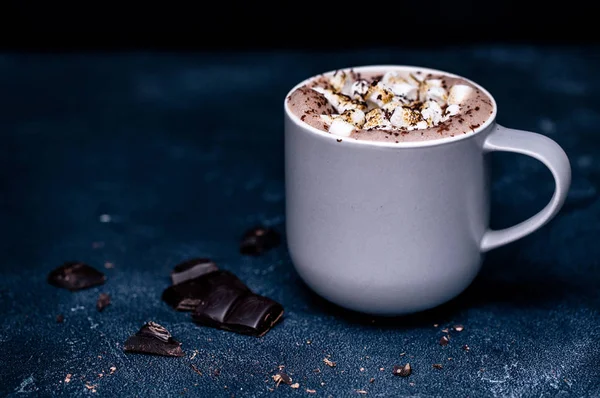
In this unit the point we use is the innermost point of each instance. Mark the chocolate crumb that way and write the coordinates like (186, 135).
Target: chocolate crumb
(302, 117)
(459, 328)
(445, 330)
(295, 385)
(437, 366)
(60, 318)
(444, 340)
(371, 380)
(339, 140)
(402, 371)
(435, 325)
(466, 348)
(102, 302)
(217, 372)
(282, 378)
(329, 363)
(195, 369)
(310, 391)
(361, 391)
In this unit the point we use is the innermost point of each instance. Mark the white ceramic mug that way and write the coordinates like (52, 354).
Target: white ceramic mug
(390, 229)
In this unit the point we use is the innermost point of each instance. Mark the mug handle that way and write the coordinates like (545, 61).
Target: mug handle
(548, 152)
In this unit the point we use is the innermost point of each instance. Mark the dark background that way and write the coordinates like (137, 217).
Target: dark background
(324, 26)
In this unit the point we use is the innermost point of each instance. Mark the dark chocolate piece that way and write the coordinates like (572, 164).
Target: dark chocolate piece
(444, 340)
(245, 313)
(75, 276)
(186, 296)
(103, 301)
(191, 269)
(258, 240)
(437, 366)
(155, 340)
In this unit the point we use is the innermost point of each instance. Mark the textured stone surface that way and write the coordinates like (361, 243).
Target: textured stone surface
(147, 160)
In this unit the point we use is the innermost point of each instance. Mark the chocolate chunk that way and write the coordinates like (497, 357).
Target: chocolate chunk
(221, 300)
(444, 340)
(155, 340)
(75, 276)
(191, 269)
(258, 240)
(246, 314)
(60, 318)
(103, 301)
(437, 366)
(186, 296)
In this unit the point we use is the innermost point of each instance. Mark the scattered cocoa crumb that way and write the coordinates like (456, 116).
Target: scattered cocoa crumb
(402, 371)
(311, 391)
(308, 342)
(402, 354)
(196, 369)
(437, 366)
(362, 369)
(216, 372)
(339, 140)
(100, 375)
(113, 369)
(371, 380)
(317, 370)
(361, 392)
(459, 328)
(295, 385)
(68, 378)
(282, 378)
(90, 387)
(466, 347)
(60, 318)
(381, 369)
(329, 363)
(103, 302)
(444, 340)
(445, 330)
(435, 325)
(411, 384)
(109, 265)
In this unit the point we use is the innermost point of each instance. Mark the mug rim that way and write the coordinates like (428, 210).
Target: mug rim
(403, 144)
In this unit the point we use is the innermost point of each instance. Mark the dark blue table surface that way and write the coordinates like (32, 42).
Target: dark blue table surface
(184, 152)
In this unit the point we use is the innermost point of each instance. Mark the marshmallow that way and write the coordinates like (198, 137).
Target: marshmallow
(328, 119)
(458, 93)
(341, 82)
(432, 113)
(432, 90)
(375, 119)
(393, 104)
(400, 86)
(452, 110)
(359, 89)
(405, 117)
(341, 128)
(354, 116)
(379, 94)
(340, 102)
(419, 126)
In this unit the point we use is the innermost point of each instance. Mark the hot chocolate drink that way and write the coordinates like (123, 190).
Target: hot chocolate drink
(392, 105)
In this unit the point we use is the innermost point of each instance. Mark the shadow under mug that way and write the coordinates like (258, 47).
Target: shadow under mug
(396, 228)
